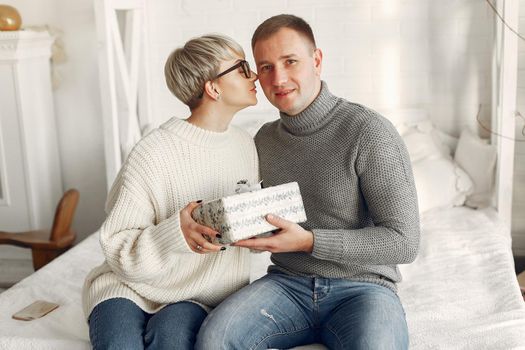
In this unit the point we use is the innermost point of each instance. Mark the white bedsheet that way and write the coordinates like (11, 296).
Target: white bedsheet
(461, 292)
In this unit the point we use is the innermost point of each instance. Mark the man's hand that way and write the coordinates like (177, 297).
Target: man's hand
(290, 238)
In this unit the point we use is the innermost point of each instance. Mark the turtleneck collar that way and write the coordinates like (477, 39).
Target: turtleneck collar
(197, 135)
(314, 116)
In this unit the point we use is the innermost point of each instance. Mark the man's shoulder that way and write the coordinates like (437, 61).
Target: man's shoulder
(355, 108)
(373, 125)
(361, 116)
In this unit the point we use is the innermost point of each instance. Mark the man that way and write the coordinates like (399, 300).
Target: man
(334, 277)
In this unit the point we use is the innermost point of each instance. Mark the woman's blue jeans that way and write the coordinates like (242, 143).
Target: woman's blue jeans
(120, 324)
(281, 311)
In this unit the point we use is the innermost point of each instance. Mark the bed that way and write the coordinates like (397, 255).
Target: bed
(460, 293)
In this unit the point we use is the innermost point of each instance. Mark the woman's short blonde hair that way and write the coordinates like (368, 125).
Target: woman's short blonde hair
(189, 67)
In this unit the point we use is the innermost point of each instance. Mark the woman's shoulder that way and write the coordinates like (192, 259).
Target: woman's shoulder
(148, 152)
(149, 144)
(142, 161)
(157, 140)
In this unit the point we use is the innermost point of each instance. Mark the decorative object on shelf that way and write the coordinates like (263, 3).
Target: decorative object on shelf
(58, 53)
(9, 18)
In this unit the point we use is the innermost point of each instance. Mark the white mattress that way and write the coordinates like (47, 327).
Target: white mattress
(460, 293)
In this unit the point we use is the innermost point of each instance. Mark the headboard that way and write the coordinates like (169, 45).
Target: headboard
(504, 76)
(126, 102)
(123, 63)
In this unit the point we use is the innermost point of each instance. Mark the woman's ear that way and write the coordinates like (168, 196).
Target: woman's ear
(211, 90)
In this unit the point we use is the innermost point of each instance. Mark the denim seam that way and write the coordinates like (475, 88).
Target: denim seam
(315, 311)
(335, 335)
(280, 333)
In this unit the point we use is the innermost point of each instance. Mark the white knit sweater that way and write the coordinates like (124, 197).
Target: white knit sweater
(147, 258)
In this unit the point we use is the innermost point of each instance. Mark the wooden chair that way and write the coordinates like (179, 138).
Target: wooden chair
(45, 245)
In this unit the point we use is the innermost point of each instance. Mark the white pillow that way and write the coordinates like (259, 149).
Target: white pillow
(421, 145)
(478, 159)
(424, 140)
(447, 142)
(440, 183)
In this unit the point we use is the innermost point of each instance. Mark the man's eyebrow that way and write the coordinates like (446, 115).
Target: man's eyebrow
(283, 57)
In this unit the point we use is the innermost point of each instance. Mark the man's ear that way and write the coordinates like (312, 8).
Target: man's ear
(211, 90)
(318, 60)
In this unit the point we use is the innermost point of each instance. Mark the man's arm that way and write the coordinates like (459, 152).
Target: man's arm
(388, 189)
(387, 185)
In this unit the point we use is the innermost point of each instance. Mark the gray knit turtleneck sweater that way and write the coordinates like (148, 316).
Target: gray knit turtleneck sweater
(355, 177)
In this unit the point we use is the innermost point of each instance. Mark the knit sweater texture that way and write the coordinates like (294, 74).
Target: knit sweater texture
(358, 189)
(147, 259)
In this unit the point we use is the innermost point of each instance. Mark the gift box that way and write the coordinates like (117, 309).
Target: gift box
(242, 215)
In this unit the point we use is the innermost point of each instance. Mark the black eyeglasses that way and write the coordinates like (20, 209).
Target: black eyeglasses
(242, 64)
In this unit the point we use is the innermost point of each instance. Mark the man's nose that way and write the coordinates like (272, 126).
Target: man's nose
(280, 77)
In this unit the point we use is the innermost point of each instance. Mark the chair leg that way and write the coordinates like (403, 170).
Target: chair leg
(42, 257)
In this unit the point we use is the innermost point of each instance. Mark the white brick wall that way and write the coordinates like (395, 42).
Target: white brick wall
(382, 53)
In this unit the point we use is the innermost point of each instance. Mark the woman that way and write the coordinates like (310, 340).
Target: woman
(161, 274)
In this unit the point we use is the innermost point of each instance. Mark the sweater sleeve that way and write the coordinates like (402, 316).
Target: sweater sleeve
(387, 185)
(135, 245)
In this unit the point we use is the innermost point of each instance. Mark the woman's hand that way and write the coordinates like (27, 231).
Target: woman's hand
(197, 236)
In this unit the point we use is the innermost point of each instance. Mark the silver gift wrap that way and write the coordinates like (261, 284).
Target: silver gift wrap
(242, 216)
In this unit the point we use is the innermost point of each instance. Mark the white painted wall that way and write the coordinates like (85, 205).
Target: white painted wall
(382, 53)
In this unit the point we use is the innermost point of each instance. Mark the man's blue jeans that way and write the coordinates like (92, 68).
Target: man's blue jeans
(281, 311)
(120, 324)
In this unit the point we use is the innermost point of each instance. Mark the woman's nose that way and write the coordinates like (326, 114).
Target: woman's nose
(254, 76)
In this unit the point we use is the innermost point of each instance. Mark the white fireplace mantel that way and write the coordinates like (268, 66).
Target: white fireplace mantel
(17, 45)
(30, 173)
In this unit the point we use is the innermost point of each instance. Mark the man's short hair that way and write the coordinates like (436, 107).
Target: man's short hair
(273, 24)
(188, 68)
